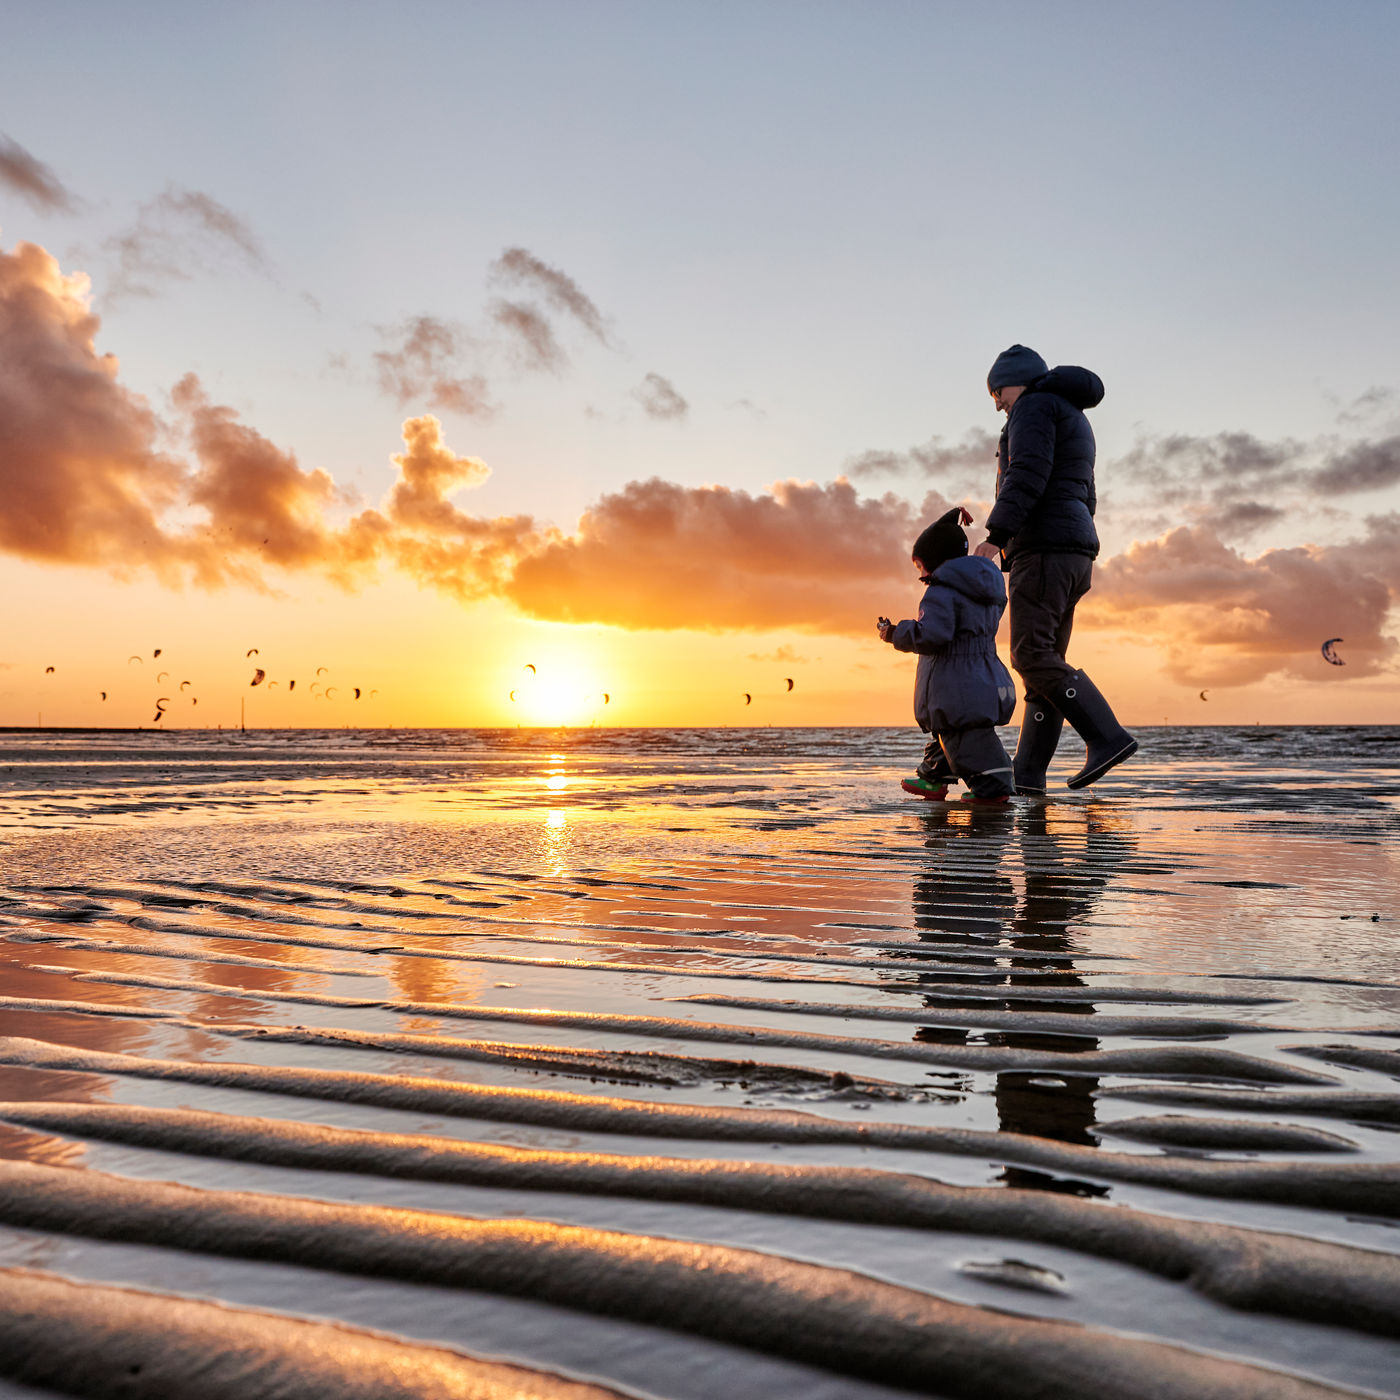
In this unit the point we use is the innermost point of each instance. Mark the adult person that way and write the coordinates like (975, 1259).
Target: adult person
(1042, 528)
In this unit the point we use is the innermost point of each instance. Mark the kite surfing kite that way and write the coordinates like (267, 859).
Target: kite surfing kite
(748, 699)
(1329, 655)
(789, 681)
(258, 676)
(1203, 695)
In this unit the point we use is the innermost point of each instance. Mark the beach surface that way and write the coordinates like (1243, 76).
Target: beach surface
(685, 1063)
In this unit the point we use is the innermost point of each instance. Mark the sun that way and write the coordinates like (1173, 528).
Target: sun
(558, 693)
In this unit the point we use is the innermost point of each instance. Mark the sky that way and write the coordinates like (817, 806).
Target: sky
(417, 346)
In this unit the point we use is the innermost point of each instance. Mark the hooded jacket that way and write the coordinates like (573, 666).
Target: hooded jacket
(960, 682)
(1045, 469)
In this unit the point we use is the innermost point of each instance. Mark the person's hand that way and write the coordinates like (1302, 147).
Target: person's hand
(885, 628)
(987, 550)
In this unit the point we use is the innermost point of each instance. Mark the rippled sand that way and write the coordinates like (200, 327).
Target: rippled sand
(640, 1063)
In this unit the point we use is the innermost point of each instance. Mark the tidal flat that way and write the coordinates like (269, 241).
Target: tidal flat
(682, 1063)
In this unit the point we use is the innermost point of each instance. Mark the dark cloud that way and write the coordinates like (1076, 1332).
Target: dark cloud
(530, 335)
(658, 396)
(974, 455)
(520, 267)
(177, 234)
(423, 366)
(30, 178)
(1375, 402)
(1241, 519)
(1364, 466)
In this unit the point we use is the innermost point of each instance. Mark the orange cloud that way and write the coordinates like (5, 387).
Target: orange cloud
(81, 479)
(655, 554)
(1225, 619)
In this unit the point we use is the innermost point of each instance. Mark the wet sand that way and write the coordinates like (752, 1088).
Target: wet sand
(640, 1063)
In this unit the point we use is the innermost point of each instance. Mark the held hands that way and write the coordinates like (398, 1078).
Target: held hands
(987, 550)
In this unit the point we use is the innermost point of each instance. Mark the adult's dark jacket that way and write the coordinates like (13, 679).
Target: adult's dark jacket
(1045, 469)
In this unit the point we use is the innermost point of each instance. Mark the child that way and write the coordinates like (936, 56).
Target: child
(961, 689)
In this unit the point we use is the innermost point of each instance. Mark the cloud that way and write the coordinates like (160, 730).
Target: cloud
(659, 398)
(176, 234)
(1374, 402)
(1240, 519)
(785, 655)
(423, 367)
(30, 178)
(1364, 466)
(659, 555)
(81, 480)
(522, 268)
(530, 335)
(259, 501)
(1226, 619)
(1237, 467)
(974, 455)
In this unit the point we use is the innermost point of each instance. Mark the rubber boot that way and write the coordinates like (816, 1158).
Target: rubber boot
(929, 788)
(1108, 743)
(1041, 723)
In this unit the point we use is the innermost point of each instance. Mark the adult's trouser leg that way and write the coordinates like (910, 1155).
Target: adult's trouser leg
(979, 758)
(1044, 590)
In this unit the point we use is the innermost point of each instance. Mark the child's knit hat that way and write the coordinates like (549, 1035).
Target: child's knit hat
(943, 540)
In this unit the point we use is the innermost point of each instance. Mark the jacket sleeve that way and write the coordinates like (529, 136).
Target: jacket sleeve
(1030, 456)
(935, 626)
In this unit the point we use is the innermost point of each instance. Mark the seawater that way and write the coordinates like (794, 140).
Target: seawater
(1172, 996)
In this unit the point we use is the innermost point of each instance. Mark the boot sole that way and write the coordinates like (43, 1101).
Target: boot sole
(1092, 775)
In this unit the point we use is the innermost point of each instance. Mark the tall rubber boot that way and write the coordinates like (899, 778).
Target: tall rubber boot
(1108, 743)
(1041, 723)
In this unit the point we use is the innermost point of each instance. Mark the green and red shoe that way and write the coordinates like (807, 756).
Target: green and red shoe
(930, 791)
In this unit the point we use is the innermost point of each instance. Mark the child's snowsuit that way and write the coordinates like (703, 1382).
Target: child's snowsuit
(961, 689)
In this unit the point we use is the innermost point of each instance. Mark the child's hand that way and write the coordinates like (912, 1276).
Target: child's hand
(885, 628)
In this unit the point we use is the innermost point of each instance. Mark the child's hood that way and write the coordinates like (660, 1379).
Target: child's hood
(976, 578)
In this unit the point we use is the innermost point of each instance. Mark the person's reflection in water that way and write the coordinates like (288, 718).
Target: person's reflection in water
(1068, 855)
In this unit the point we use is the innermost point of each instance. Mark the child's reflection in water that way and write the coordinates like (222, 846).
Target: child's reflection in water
(970, 898)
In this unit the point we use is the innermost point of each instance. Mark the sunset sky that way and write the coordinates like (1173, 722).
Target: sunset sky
(636, 342)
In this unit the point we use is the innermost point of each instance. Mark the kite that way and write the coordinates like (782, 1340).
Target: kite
(102, 693)
(788, 679)
(155, 653)
(1203, 695)
(512, 695)
(607, 699)
(252, 651)
(194, 699)
(330, 692)
(528, 666)
(183, 684)
(272, 685)
(160, 715)
(357, 692)
(748, 699)
(136, 659)
(314, 684)
(291, 685)
(1329, 655)
(258, 677)
(373, 693)
(48, 670)
(162, 676)
(320, 670)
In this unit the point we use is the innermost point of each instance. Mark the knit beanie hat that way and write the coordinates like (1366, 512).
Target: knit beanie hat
(1018, 365)
(943, 540)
